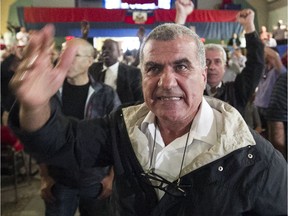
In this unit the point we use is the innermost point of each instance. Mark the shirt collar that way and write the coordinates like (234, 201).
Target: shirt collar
(113, 67)
(204, 124)
(203, 127)
(208, 89)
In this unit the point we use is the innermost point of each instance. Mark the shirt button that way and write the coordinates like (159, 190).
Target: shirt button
(250, 156)
(220, 168)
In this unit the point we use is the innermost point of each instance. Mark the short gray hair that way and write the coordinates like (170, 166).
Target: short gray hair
(217, 47)
(171, 31)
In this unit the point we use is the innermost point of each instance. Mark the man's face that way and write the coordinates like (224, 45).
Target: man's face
(110, 53)
(81, 63)
(173, 81)
(216, 67)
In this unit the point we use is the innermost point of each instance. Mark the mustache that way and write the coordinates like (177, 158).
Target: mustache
(160, 92)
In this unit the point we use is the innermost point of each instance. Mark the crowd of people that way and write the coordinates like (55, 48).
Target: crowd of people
(187, 128)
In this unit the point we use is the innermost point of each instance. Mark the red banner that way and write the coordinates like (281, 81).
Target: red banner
(53, 15)
(50, 15)
(198, 15)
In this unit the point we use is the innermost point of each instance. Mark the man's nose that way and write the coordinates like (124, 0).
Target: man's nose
(210, 65)
(167, 79)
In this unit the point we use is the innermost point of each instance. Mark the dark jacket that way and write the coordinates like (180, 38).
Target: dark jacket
(239, 92)
(241, 175)
(101, 100)
(129, 82)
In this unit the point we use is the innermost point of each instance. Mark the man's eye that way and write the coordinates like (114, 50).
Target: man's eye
(217, 62)
(180, 67)
(153, 70)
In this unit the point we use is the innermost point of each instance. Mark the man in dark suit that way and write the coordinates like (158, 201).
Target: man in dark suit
(126, 80)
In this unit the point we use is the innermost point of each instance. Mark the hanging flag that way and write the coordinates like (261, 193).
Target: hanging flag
(140, 17)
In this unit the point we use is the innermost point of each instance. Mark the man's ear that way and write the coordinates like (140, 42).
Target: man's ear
(91, 61)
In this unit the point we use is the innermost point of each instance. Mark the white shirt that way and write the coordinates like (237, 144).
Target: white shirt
(111, 75)
(271, 42)
(167, 159)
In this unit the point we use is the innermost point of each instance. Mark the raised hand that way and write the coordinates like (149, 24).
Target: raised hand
(36, 81)
(183, 9)
(246, 19)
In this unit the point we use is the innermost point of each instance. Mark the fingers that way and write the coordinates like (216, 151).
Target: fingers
(40, 42)
(245, 14)
(246, 19)
(47, 184)
(105, 194)
(66, 58)
(47, 195)
(35, 52)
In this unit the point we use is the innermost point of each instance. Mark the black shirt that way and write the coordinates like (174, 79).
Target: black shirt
(74, 99)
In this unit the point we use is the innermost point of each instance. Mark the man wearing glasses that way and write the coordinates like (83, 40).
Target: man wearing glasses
(80, 97)
(178, 153)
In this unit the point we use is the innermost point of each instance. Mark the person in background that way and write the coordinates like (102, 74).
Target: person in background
(85, 28)
(237, 60)
(80, 97)
(273, 68)
(263, 34)
(128, 57)
(141, 36)
(234, 41)
(270, 41)
(243, 42)
(125, 79)
(179, 153)
(276, 115)
(239, 92)
(279, 33)
(9, 65)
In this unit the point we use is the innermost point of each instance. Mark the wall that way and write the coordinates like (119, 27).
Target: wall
(268, 14)
(54, 3)
(5, 4)
(275, 15)
(207, 4)
(261, 10)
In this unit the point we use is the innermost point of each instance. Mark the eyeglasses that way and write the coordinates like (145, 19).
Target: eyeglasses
(171, 188)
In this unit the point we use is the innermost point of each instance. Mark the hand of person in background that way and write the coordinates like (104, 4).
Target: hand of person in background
(246, 19)
(273, 58)
(36, 80)
(46, 189)
(183, 9)
(107, 183)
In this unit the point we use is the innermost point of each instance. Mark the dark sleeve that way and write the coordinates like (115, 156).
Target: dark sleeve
(136, 85)
(65, 142)
(247, 81)
(277, 110)
(272, 197)
(114, 101)
(129, 84)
